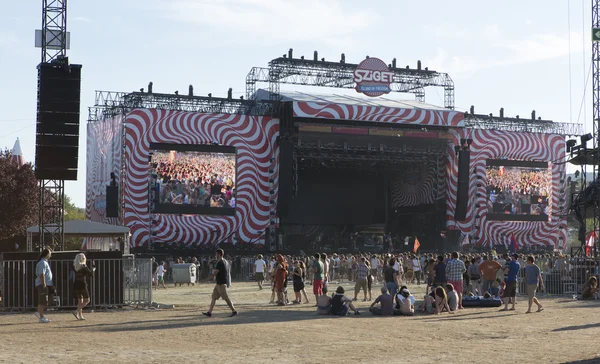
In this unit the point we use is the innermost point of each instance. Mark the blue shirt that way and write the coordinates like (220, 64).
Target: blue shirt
(532, 272)
(43, 267)
(513, 270)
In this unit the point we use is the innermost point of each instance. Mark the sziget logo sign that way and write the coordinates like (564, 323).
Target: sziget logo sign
(373, 77)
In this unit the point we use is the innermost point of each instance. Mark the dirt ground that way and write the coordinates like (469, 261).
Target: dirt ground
(567, 331)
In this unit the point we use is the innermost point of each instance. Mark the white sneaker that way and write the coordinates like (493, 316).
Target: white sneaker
(44, 320)
(37, 314)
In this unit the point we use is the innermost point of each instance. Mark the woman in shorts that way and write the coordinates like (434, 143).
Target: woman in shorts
(80, 286)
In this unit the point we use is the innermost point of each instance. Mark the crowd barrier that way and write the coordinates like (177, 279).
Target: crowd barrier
(137, 285)
(116, 280)
(247, 268)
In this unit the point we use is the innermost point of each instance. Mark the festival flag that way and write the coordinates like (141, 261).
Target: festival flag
(417, 245)
(590, 241)
(466, 240)
(513, 244)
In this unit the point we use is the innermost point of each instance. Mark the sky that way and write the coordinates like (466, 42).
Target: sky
(519, 55)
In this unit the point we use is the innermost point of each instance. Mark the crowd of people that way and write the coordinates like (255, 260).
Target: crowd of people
(194, 178)
(450, 280)
(518, 191)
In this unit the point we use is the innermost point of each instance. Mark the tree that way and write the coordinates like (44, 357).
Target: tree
(73, 212)
(19, 197)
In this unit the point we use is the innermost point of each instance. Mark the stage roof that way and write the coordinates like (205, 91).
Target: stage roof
(86, 228)
(372, 109)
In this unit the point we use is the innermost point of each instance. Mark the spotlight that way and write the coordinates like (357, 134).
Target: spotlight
(585, 138)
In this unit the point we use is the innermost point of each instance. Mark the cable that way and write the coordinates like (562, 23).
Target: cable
(16, 131)
(584, 93)
(583, 2)
(570, 77)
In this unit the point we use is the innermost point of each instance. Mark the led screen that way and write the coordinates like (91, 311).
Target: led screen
(192, 179)
(518, 190)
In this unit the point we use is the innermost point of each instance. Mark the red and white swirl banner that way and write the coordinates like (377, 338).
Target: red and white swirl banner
(104, 155)
(494, 144)
(414, 186)
(379, 114)
(257, 163)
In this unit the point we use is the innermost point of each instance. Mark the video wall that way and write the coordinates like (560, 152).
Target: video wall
(192, 179)
(518, 190)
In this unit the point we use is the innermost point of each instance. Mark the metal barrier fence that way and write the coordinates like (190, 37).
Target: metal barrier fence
(115, 282)
(247, 268)
(137, 285)
(561, 276)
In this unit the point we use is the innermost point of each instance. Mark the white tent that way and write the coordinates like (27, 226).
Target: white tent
(86, 229)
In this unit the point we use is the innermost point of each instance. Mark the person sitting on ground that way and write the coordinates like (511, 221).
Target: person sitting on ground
(340, 303)
(324, 303)
(441, 301)
(495, 288)
(452, 297)
(405, 303)
(387, 304)
(428, 305)
(590, 290)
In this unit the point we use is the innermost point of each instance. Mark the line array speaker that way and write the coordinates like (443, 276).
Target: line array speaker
(462, 195)
(112, 201)
(57, 129)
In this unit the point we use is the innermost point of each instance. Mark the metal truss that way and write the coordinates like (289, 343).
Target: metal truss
(109, 103)
(299, 71)
(488, 122)
(389, 155)
(54, 29)
(52, 217)
(52, 192)
(596, 128)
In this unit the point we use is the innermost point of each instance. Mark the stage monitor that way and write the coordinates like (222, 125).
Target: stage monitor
(191, 179)
(518, 190)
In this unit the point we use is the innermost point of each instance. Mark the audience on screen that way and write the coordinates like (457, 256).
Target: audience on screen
(195, 178)
(519, 191)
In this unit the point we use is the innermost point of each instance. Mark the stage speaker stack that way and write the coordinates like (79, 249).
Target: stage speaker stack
(462, 195)
(57, 133)
(112, 201)
(286, 158)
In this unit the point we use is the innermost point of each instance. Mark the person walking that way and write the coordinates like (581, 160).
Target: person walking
(43, 284)
(80, 286)
(259, 271)
(510, 291)
(533, 279)
(220, 273)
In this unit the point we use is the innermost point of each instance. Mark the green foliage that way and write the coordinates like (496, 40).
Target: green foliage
(73, 212)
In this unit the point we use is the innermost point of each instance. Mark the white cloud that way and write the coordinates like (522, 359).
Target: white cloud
(541, 47)
(274, 20)
(504, 51)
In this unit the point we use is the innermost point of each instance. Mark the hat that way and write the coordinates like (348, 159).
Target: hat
(405, 290)
(384, 289)
(515, 255)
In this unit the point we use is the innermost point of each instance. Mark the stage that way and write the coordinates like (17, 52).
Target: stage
(325, 169)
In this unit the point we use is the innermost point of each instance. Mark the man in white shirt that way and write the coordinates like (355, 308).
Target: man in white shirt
(259, 271)
(161, 275)
(416, 265)
(374, 265)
